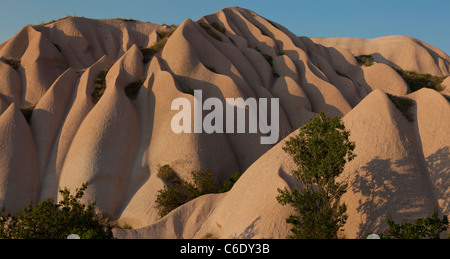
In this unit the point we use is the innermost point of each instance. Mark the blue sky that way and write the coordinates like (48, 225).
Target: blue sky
(426, 20)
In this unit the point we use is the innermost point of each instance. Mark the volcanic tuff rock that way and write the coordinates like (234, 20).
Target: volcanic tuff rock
(118, 143)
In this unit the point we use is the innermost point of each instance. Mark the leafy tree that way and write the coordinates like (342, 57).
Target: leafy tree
(428, 228)
(320, 150)
(48, 220)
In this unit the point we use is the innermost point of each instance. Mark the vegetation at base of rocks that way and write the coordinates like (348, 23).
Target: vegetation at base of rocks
(422, 228)
(417, 81)
(178, 192)
(320, 150)
(366, 60)
(227, 185)
(165, 34)
(99, 86)
(47, 220)
(168, 175)
(158, 47)
(14, 63)
(210, 31)
(404, 105)
(28, 112)
(132, 89)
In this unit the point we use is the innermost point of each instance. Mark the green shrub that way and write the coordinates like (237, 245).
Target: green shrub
(366, 60)
(178, 192)
(14, 63)
(132, 89)
(167, 33)
(173, 196)
(204, 182)
(227, 185)
(428, 228)
(181, 192)
(48, 220)
(404, 105)
(418, 81)
(158, 47)
(28, 112)
(168, 175)
(210, 31)
(99, 86)
(148, 54)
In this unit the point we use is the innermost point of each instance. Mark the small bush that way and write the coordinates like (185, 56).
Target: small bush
(158, 47)
(210, 31)
(227, 185)
(148, 54)
(14, 63)
(178, 192)
(167, 174)
(48, 220)
(418, 81)
(166, 34)
(100, 86)
(403, 104)
(132, 89)
(366, 60)
(204, 182)
(28, 112)
(428, 228)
